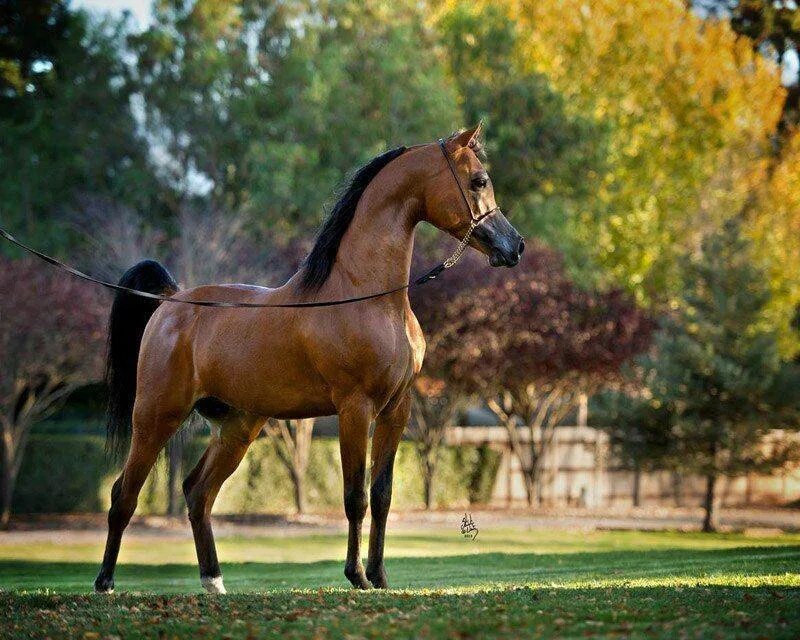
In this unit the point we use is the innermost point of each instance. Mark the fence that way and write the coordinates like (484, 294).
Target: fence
(579, 471)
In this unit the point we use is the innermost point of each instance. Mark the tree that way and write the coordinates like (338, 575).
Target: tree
(271, 104)
(546, 159)
(719, 366)
(534, 343)
(690, 108)
(638, 427)
(292, 441)
(30, 37)
(439, 393)
(51, 341)
(66, 118)
(773, 224)
(773, 28)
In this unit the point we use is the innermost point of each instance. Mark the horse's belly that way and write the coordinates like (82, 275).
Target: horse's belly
(265, 375)
(284, 391)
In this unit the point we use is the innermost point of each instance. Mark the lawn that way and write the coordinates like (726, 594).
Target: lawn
(507, 583)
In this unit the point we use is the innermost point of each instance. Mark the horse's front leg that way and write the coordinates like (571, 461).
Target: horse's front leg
(389, 427)
(355, 416)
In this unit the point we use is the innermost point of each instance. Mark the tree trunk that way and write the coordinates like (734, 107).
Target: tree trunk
(637, 487)
(429, 455)
(530, 487)
(748, 490)
(537, 481)
(303, 431)
(677, 489)
(6, 493)
(7, 478)
(710, 519)
(427, 488)
(298, 480)
(175, 460)
(432, 416)
(292, 442)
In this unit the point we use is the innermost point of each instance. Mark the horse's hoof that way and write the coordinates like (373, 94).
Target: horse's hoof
(357, 577)
(362, 585)
(213, 584)
(104, 585)
(378, 578)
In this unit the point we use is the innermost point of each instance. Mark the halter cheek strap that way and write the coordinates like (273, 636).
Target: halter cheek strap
(474, 220)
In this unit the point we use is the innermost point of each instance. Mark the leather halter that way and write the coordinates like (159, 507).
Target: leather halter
(474, 220)
(426, 277)
(481, 214)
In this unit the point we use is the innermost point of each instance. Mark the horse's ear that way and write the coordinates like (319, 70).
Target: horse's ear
(470, 137)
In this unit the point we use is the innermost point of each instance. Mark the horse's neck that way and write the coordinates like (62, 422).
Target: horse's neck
(375, 252)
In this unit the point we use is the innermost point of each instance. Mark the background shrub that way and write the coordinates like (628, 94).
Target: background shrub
(67, 474)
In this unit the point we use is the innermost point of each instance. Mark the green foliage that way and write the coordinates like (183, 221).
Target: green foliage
(774, 30)
(362, 76)
(67, 128)
(62, 474)
(639, 430)
(690, 108)
(546, 160)
(717, 361)
(276, 103)
(484, 474)
(49, 484)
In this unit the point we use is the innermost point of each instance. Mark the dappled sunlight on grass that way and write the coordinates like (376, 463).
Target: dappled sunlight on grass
(511, 584)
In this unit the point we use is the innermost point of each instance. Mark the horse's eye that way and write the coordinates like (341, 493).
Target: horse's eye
(479, 182)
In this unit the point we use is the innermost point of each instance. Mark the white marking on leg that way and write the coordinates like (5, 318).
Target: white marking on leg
(213, 585)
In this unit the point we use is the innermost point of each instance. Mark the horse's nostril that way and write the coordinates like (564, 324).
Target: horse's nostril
(521, 246)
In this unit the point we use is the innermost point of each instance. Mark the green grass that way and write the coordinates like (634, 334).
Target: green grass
(508, 583)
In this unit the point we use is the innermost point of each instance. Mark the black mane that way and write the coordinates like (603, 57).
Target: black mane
(317, 266)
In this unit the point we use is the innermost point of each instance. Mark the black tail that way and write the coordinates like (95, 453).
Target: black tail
(129, 317)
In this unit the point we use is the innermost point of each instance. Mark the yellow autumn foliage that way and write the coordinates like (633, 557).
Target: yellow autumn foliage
(691, 108)
(775, 228)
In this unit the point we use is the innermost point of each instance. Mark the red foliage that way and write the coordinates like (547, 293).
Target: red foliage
(490, 329)
(51, 325)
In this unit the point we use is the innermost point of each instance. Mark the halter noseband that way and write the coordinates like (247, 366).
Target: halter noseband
(474, 220)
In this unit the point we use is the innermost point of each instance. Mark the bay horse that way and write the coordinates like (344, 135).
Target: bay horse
(239, 367)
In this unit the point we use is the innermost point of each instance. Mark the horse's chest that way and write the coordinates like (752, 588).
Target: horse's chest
(395, 351)
(408, 354)
(416, 342)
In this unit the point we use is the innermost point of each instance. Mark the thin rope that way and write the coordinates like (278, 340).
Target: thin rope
(426, 277)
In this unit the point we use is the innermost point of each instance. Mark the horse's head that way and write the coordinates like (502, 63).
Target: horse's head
(453, 206)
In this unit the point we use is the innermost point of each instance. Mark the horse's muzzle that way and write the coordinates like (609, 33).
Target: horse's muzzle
(500, 241)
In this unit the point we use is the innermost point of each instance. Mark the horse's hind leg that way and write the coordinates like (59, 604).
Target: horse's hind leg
(229, 442)
(150, 434)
